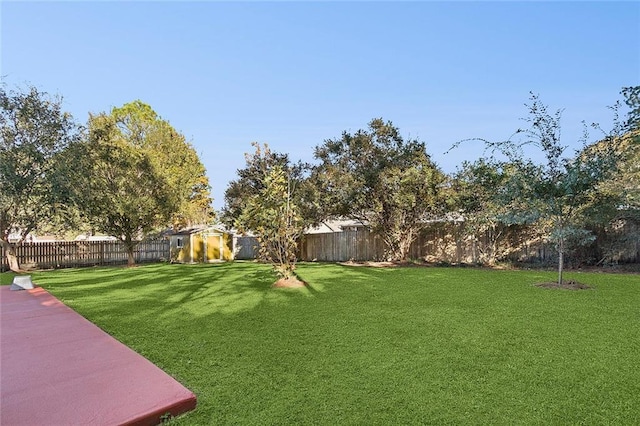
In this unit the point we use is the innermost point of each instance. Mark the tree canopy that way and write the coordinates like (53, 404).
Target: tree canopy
(479, 196)
(34, 131)
(172, 157)
(250, 181)
(130, 173)
(377, 177)
(141, 175)
(554, 194)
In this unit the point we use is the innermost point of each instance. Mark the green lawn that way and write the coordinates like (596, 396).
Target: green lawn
(375, 346)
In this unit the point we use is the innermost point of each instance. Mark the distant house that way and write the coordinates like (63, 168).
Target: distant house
(201, 244)
(338, 225)
(84, 237)
(15, 237)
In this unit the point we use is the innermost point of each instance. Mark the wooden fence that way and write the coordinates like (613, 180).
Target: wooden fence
(437, 244)
(358, 246)
(246, 248)
(447, 242)
(70, 254)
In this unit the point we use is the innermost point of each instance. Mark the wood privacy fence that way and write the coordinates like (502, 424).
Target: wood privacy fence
(436, 244)
(246, 248)
(70, 254)
(358, 246)
(448, 242)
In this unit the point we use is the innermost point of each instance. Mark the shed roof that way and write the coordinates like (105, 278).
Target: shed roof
(199, 228)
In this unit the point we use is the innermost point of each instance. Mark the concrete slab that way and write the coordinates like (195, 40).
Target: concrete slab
(57, 368)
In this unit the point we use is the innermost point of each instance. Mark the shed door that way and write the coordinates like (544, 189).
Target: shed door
(213, 247)
(198, 248)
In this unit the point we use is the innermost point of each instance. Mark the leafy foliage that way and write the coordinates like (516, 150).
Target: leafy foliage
(479, 193)
(250, 181)
(172, 157)
(553, 195)
(377, 177)
(34, 132)
(124, 196)
(632, 100)
(272, 214)
(140, 175)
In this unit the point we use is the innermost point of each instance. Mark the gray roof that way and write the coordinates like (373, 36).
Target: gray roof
(199, 228)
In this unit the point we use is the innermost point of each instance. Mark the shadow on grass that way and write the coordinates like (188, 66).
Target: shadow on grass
(164, 289)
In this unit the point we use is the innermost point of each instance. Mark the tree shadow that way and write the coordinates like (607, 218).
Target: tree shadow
(194, 291)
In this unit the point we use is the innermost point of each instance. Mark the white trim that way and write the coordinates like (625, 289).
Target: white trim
(191, 248)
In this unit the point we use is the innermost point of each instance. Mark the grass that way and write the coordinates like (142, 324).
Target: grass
(375, 346)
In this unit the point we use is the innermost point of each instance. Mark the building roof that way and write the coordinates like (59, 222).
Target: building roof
(199, 228)
(338, 225)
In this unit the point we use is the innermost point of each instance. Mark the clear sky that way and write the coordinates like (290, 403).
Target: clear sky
(293, 74)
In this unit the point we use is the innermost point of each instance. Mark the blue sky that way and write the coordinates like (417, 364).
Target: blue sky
(293, 74)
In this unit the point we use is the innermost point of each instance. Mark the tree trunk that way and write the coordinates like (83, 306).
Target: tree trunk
(560, 259)
(12, 258)
(398, 245)
(131, 261)
(130, 246)
(405, 247)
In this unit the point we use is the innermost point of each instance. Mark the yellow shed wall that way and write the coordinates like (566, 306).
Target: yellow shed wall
(198, 248)
(227, 249)
(194, 244)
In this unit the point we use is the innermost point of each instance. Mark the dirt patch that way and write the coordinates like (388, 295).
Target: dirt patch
(566, 285)
(292, 282)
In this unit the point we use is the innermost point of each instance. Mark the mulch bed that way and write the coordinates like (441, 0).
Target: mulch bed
(292, 282)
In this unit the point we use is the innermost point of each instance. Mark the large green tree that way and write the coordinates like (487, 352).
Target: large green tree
(34, 131)
(123, 195)
(382, 180)
(250, 182)
(629, 147)
(172, 156)
(141, 175)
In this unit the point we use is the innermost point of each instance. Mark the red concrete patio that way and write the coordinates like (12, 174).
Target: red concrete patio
(58, 368)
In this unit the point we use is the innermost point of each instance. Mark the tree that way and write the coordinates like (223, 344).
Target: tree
(271, 212)
(613, 212)
(378, 178)
(141, 175)
(172, 157)
(629, 149)
(616, 207)
(632, 100)
(250, 181)
(34, 132)
(555, 193)
(477, 187)
(124, 195)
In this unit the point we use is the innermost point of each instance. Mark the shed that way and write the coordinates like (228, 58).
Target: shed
(201, 244)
